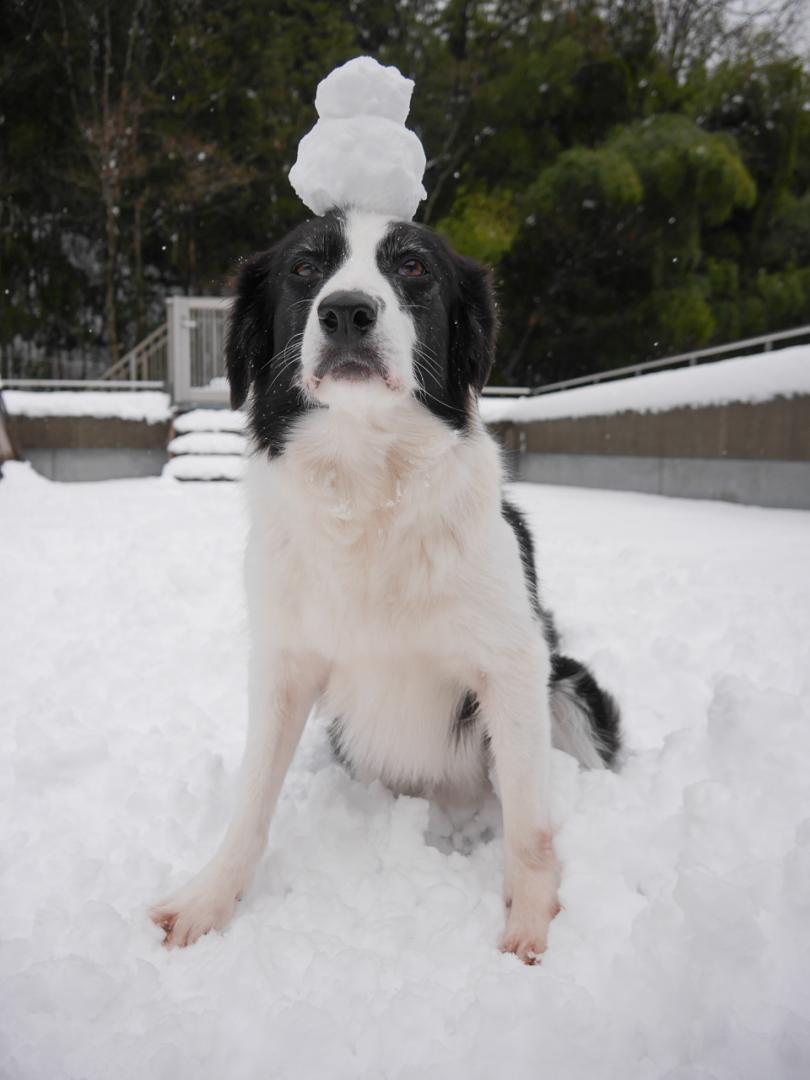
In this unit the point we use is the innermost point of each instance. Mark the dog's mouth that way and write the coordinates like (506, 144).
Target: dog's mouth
(355, 366)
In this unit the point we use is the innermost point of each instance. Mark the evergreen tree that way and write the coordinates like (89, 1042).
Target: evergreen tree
(637, 173)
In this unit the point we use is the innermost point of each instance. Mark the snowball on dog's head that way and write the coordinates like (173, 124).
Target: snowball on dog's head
(353, 311)
(360, 153)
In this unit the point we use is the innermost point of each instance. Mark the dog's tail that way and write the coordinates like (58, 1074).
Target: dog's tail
(585, 718)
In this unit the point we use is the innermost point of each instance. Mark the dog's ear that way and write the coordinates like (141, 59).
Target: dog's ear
(250, 327)
(473, 325)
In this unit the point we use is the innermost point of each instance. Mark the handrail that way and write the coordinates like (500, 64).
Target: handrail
(158, 384)
(506, 391)
(81, 384)
(768, 340)
(154, 341)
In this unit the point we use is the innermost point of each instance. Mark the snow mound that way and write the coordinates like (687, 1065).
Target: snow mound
(785, 373)
(360, 153)
(153, 406)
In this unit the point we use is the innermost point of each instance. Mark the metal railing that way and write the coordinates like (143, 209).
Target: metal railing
(766, 341)
(81, 384)
(159, 384)
(148, 361)
(506, 391)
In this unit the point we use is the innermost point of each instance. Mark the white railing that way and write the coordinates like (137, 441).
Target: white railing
(80, 384)
(506, 391)
(196, 328)
(148, 361)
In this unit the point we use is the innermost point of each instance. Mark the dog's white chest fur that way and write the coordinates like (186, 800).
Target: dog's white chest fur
(376, 541)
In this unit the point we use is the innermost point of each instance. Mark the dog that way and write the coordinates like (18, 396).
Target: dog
(389, 581)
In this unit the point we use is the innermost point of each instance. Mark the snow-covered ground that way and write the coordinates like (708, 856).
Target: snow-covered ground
(365, 949)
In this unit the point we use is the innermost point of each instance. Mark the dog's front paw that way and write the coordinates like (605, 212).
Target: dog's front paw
(526, 934)
(531, 886)
(206, 903)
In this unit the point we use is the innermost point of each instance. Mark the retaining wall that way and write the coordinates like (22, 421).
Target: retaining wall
(72, 448)
(748, 453)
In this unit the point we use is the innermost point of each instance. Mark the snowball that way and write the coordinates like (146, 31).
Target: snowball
(362, 87)
(369, 162)
(360, 153)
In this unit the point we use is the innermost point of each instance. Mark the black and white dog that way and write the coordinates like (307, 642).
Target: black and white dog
(388, 579)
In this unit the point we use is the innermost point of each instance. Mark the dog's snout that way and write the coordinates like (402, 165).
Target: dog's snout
(347, 316)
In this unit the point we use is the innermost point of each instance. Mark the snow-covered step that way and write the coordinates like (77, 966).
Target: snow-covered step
(208, 442)
(209, 420)
(205, 467)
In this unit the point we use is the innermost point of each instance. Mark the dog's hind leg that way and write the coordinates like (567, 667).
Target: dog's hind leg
(515, 705)
(282, 692)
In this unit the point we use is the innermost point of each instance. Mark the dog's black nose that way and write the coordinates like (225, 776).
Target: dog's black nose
(347, 316)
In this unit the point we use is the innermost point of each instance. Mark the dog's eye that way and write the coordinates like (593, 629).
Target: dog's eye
(305, 269)
(411, 268)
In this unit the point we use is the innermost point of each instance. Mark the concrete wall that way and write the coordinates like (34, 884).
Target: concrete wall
(760, 483)
(77, 464)
(75, 448)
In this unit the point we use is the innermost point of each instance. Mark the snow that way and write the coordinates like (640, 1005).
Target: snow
(365, 949)
(208, 442)
(153, 406)
(205, 466)
(363, 87)
(762, 377)
(209, 420)
(360, 153)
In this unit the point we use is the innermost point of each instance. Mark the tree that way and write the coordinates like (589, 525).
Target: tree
(105, 52)
(638, 172)
(692, 33)
(615, 236)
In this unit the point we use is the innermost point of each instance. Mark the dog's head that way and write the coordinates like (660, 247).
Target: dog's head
(353, 311)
